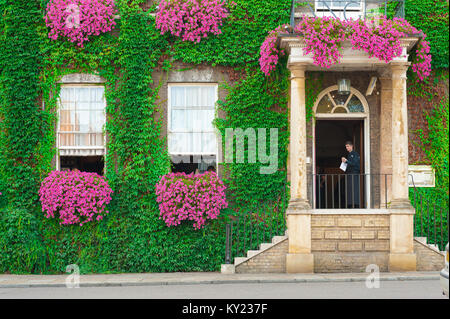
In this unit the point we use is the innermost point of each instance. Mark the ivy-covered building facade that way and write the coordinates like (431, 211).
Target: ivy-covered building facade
(137, 101)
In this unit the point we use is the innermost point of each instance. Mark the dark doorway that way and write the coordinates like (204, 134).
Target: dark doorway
(330, 180)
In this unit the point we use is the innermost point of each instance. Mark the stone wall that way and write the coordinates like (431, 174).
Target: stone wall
(343, 244)
(273, 260)
(348, 243)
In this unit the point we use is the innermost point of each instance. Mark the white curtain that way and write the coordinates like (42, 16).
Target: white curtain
(191, 114)
(82, 116)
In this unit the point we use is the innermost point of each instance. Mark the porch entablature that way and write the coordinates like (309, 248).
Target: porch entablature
(351, 60)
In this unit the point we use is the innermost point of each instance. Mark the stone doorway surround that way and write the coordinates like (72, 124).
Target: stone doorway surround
(393, 157)
(363, 116)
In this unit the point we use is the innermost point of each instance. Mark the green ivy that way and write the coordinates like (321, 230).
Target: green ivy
(432, 204)
(132, 238)
(431, 16)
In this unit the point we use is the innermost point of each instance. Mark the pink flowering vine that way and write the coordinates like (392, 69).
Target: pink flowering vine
(191, 20)
(77, 20)
(324, 36)
(190, 197)
(269, 51)
(78, 197)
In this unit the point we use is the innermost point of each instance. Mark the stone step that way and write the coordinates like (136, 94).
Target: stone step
(251, 253)
(239, 260)
(277, 239)
(433, 246)
(423, 240)
(265, 246)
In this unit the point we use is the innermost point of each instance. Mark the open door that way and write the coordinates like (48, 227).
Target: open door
(330, 138)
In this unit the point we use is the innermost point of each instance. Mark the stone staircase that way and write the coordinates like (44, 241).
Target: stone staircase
(423, 241)
(262, 248)
(271, 257)
(429, 258)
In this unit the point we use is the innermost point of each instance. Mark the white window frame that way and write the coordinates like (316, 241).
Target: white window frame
(169, 117)
(321, 10)
(319, 5)
(58, 144)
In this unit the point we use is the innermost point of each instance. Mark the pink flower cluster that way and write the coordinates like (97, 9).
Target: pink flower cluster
(269, 52)
(79, 19)
(323, 37)
(191, 20)
(79, 197)
(190, 197)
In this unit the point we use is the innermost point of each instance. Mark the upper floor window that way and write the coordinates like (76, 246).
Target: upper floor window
(81, 117)
(191, 134)
(80, 138)
(343, 9)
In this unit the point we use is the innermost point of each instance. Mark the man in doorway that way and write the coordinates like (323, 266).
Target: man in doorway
(352, 178)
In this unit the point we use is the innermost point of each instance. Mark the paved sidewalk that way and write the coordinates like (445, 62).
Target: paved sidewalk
(158, 279)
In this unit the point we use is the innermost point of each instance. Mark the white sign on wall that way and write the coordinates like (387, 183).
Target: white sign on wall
(421, 176)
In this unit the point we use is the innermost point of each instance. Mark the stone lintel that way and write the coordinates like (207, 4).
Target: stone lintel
(82, 78)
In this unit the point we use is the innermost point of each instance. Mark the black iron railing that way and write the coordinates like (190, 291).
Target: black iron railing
(343, 191)
(346, 9)
(254, 226)
(431, 217)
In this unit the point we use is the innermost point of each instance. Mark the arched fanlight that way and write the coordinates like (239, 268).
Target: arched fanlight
(343, 86)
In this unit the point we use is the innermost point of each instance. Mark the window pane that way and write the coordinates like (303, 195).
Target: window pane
(192, 97)
(81, 110)
(196, 142)
(209, 143)
(188, 124)
(178, 143)
(207, 120)
(177, 120)
(340, 110)
(177, 96)
(198, 120)
(355, 105)
(325, 105)
(339, 99)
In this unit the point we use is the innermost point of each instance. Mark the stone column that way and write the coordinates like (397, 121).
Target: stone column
(297, 144)
(299, 258)
(402, 257)
(400, 197)
(385, 139)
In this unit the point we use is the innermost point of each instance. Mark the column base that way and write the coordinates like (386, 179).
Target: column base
(402, 262)
(299, 263)
(227, 269)
(402, 203)
(298, 204)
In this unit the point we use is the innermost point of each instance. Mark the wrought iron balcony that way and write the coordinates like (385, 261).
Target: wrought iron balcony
(347, 9)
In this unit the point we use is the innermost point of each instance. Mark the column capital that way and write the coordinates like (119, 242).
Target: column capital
(384, 73)
(399, 69)
(297, 70)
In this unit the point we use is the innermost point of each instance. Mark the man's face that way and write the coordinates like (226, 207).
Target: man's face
(349, 147)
